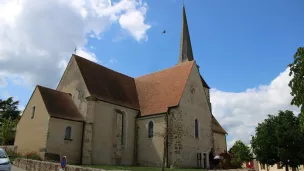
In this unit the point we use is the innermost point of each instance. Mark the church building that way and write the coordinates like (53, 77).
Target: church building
(97, 116)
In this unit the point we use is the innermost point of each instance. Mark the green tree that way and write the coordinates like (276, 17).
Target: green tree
(278, 139)
(8, 131)
(264, 141)
(297, 82)
(289, 139)
(9, 109)
(240, 153)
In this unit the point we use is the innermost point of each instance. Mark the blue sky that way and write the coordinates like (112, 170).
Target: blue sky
(239, 45)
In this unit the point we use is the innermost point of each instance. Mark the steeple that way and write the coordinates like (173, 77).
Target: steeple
(185, 53)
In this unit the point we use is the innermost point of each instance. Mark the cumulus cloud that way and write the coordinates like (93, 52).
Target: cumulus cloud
(239, 113)
(86, 54)
(38, 37)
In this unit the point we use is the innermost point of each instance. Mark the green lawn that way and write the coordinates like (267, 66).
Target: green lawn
(134, 168)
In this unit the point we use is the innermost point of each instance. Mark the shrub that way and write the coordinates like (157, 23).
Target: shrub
(32, 155)
(226, 160)
(13, 154)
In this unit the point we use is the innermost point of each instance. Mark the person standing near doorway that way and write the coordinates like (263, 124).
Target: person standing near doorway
(211, 158)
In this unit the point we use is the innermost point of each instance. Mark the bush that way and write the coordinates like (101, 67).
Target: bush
(13, 155)
(32, 155)
(226, 160)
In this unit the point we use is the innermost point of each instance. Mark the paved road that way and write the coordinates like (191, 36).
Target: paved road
(17, 169)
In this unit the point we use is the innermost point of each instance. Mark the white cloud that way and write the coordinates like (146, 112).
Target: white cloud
(239, 113)
(38, 37)
(133, 21)
(86, 54)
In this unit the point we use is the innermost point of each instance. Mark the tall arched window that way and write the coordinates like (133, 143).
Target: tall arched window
(150, 129)
(196, 128)
(68, 133)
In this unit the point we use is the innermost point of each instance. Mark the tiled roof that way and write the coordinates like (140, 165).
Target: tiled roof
(163, 89)
(108, 85)
(59, 104)
(217, 127)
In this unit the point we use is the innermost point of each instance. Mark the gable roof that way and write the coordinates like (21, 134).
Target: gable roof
(163, 89)
(217, 127)
(59, 104)
(108, 85)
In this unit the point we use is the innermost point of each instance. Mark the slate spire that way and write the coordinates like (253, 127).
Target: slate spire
(185, 53)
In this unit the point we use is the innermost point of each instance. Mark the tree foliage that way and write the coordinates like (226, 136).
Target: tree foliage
(8, 131)
(9, 116)
(297, 82)
(226, 161)
(279, 139)
(9, 109)
(263, 141)
(240, 153)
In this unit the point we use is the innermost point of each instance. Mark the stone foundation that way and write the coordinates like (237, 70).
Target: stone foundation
(34, 165)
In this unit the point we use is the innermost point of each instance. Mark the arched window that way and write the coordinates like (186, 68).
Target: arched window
(68, 132)
(196, 128)
(150, 129)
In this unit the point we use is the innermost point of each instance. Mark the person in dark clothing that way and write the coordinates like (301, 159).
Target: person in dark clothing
(211, 157)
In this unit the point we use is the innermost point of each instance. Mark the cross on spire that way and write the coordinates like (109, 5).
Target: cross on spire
(185, 43)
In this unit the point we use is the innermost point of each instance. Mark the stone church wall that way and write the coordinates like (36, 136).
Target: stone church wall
(193, 105)
(113, 134)
(33, 138)
(219, 142)
(72, 82)
(56, 143)
(151, 150)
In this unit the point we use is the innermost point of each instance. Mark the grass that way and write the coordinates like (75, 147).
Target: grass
(137, 168)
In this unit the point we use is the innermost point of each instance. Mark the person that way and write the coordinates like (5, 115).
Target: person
(216, 161)
(211, 157)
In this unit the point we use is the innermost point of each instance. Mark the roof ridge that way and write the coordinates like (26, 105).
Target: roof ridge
(82, 58)
(43, 87)
(184, 86)
(180, 64)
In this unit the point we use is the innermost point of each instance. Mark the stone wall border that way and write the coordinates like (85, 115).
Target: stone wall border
(35, 165)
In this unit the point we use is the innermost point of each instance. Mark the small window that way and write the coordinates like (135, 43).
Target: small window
(196, 129)
(150, 129)
(68, 132)
(33, 111)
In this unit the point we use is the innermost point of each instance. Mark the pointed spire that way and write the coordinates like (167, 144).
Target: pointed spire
(185, 43)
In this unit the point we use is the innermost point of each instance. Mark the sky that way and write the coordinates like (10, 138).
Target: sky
(242, 47)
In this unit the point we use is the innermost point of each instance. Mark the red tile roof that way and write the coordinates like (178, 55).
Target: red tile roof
(59, 104)
(160, 90)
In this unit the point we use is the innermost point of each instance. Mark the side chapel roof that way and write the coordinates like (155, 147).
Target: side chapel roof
(59, 104)
(217, 127)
